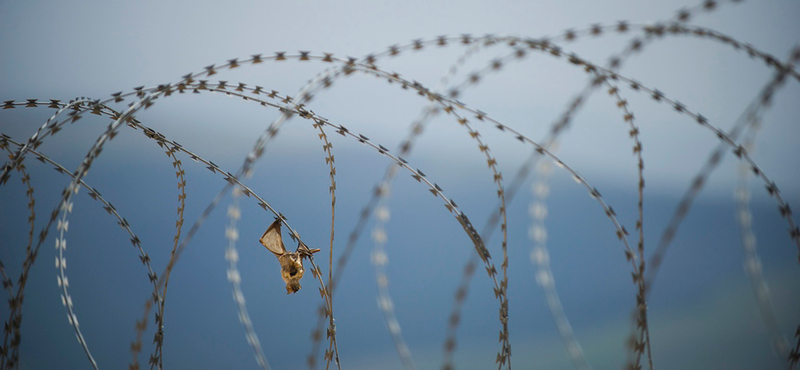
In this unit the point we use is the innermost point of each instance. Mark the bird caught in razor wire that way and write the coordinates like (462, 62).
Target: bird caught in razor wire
(291, 262)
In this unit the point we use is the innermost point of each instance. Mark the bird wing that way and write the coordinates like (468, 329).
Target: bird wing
(272, 238)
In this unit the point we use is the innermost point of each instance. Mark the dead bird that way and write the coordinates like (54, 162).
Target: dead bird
(291, 262)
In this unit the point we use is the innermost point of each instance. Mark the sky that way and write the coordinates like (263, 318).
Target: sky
(703, 311)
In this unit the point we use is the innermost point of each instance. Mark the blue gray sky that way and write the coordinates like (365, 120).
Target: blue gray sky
(703, 311)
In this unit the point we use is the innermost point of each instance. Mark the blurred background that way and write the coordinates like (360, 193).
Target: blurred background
(703, 311)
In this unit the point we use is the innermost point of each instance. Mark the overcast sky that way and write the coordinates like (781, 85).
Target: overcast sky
(59, 50)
